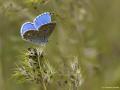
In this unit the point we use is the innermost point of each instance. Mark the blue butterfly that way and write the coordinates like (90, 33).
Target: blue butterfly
(39, 31)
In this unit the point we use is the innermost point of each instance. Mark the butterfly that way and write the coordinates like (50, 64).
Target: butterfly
(39, 30)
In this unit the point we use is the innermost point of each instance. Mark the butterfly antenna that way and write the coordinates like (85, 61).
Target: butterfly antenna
(52, 13)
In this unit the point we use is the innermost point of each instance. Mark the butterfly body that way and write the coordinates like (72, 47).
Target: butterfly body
(39, 31)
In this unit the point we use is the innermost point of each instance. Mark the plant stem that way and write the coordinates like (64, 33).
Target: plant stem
(44, 86)
(75, 87)
(69, 86)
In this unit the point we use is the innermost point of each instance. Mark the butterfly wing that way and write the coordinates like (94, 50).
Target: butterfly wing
(38, 32)
(46, 30)
(29, 32)
(34, 37)
(42, 19)
(26, 27)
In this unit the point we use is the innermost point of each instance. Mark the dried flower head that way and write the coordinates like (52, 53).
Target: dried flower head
(35, 67)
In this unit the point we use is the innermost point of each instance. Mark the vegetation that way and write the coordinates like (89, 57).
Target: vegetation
(87, 35)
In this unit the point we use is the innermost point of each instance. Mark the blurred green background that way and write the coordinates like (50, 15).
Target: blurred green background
(88, 29)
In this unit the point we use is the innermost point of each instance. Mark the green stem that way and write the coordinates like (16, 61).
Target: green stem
(75, 87)
(69, 86)
(44, 86)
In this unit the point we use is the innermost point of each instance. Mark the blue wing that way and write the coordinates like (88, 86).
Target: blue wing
(42, 19)
(27, 27)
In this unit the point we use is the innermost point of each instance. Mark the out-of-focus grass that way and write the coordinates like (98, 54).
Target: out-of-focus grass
(88, 29)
